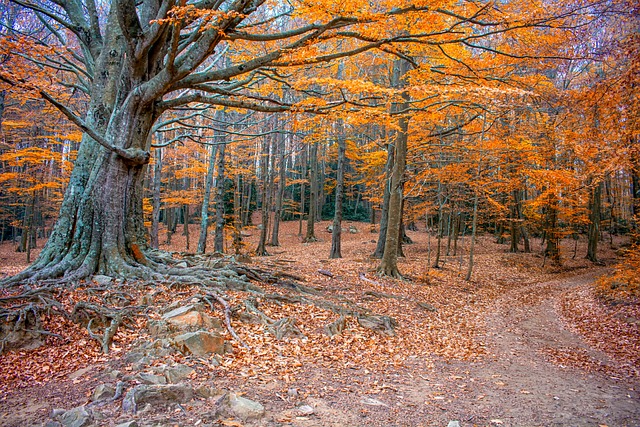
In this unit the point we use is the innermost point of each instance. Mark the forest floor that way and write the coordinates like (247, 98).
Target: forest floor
(518, 345)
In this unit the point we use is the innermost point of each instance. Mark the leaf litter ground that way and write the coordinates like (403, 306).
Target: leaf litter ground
(518, 345)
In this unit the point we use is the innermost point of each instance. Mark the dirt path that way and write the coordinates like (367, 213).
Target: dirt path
(515, 385)
(520, 386)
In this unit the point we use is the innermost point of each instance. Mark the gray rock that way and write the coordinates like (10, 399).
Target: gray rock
(134, 357)
(52, 423)
(155, 395)
(157, 327)
(103, 392)
(244, 408)
(372, 402)
(182, 264)
(175, 374)
(453, 423)
(207, 391)
(305, 410)
(76, 417)
(115, 374)
(352, 229)
(128, 424)
(147, 378)
(200, 343)
(102, 280)
(292, 393)
(56, 412)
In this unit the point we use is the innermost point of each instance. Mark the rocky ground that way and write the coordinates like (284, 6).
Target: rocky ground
(516, 346)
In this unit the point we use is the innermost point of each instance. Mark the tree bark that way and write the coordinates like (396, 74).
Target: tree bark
(264, 174)
(204, 211)
(551, 230)
(389, 263)
(157, 181)
(282, 183)
(336, 233)
(384, 213)
(313, 194)
(595, 205)
(218, 238)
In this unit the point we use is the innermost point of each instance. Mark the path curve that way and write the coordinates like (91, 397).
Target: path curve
(520, 386)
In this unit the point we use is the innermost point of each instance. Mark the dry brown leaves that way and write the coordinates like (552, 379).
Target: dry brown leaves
(455, 330)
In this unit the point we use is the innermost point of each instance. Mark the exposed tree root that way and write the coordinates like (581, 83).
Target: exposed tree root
(109, 306)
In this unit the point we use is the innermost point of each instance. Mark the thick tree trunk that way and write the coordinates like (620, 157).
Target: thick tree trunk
(384, 214)
(100, 228)
(389, 263)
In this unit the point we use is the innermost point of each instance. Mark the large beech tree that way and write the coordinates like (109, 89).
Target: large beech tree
(137, 59)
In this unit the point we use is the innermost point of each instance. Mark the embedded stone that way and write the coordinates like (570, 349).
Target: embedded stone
(244, 408)
(103, 392)
(147, 378)
(200, 343)
(189, 317)
(155, 395)
(76, 417)
(177, 373)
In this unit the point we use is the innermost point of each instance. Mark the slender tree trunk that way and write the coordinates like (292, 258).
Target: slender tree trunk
(594, 223)
(204, 212)
(474, 223)
(157, 181)
(282, 183)
(336, 234)
(302, 197)
(635, 194)
(313, 194)
(185, 218)
(247, 195)
(237, 221)
(264, 173)
(218, 238)
(553, 235)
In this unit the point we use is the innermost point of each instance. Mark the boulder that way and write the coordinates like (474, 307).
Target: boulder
(76, 417)
(146, 378)
(244, 408)
(155, 395)
(128, 424)
(175, 374)
(189, 317)
(103, 392)
(157, 327)
(200, 343)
